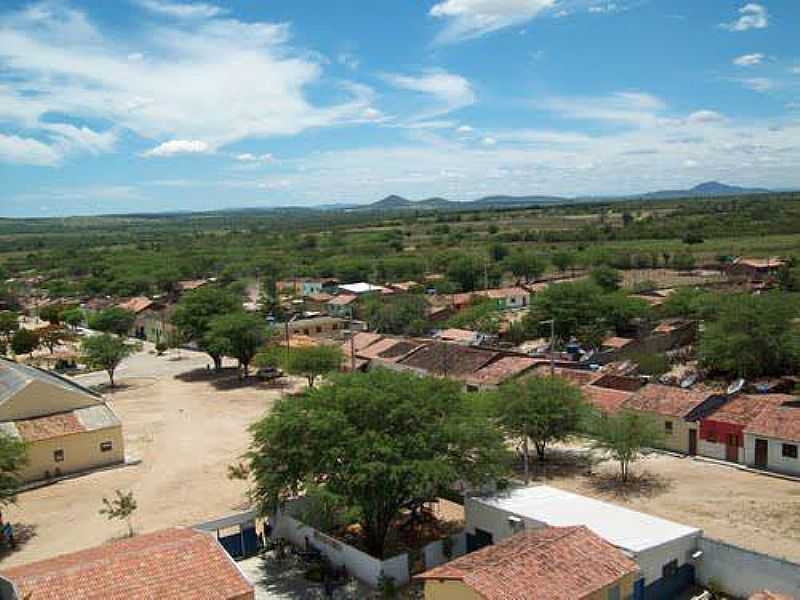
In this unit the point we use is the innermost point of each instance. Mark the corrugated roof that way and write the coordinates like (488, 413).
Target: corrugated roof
(97, 417)
(543, 564)
(172, 564)
(15, 376)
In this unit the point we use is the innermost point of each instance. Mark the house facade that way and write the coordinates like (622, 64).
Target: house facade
(68, 428)
(772, 438)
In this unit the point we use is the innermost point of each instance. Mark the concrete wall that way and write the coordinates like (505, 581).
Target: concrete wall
(434, 556)
(625, 586)
(652, 561)
(449, 590)
(741, 572)
(775, 459)
(38, 399)
(678, 440)
(359, 564)
(81, 453)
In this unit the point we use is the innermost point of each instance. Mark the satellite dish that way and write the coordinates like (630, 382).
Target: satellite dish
(689, 381)
(735, 387)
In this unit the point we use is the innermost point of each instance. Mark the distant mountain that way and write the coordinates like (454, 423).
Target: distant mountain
(395, 202)
(709, 188)
(504, 201)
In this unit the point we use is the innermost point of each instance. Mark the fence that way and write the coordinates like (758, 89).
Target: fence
(360, 565)
(741, 572)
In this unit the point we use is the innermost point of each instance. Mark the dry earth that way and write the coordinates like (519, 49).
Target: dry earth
(186, 429)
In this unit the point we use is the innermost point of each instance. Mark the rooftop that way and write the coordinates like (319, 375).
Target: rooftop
(457, 335)
(666, 400)
(91, 418)
(360, 288)
(779, 420)
(552, 562)
(616, 342)
(342, 299)
(389, 349)
(604, 399)
(136, 305)
(627, 529)
(742, 409)
(15, 376)
(502, 370)
(170, 564)
(448, 359)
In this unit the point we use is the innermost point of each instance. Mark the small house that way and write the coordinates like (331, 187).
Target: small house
(342, 305)
(755, 270)
(772, 438)
(538, 564)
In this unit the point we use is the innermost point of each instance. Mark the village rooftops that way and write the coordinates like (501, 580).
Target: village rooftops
(390, 349)
(552, 562)
(742, 409)
(616, 343)
(579, 377)
(779, 419)
(502, 370)
(361, 288)
(464, 336)
(451, 360)
(666, 400)
(136, 305)
(606, 400)
(15, 376)
(626, 529)
(343, 299)
(171, 564)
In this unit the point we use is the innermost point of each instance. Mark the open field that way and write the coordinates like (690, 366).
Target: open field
(186, 428)
(744, 508)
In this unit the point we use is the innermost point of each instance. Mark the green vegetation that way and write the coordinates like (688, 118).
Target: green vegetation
(106, 352)
(239, 335)
(13, 456)
(112, 320)
(121, 508)
(194, 314)
(624, 436)
(378, 442)
(313, 361)
(404, 315)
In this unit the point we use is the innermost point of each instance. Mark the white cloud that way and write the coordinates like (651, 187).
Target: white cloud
(56, 62)
(488, 141)
(195, 10)
(464, 129)
(467, 19)
(18, 150)
(450, 91)
(705, 116)
(249, 157)
(348, 60)
(748, 60)
(175, 147)
(751, 16)
(606, 7)
(757, 84)
(633, 108)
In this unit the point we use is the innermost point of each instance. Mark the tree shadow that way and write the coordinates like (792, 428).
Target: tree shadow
(23, 533)
(643, 485)
(285, 578)
(559, 463)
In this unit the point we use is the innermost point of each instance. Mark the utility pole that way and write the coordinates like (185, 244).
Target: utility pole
(352, 343)
(552, 323)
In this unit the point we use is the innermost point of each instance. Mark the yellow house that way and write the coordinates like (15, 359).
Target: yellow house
(539, 564)
(67, 427)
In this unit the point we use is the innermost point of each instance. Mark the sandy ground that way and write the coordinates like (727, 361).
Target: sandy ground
(747, 509)
(185, 428)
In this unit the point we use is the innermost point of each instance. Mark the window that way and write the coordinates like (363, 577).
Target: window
(613, 593)
(58, 456)
(106, 446)
(319, 329)
(789, 451)
(668, 427)
(670, 569)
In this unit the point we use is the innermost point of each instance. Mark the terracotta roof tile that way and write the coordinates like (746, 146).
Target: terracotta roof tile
(502, 370)
(779, 420)
(577, 376)
(451, 360)
(50, 426)
(343, 299)
(136, 305)
(605, 400)
(553, 562)
(767, 595)
(744, 408)
(616, 342)
(665, 400)
(170, 564)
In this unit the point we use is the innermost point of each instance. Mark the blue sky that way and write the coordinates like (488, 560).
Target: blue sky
(156, 105)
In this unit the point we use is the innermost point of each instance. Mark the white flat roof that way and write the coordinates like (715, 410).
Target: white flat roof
(360, 288)
(627, 529)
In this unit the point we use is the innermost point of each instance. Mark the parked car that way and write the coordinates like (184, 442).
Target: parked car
(269, 373)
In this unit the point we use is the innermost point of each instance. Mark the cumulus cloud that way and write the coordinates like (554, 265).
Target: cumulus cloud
(175, 147)
(449, 91)
(751, 16)
(57, 62)
(705, 116)
(19, 150)
(467, 19)
(748, 60)
(195, 10)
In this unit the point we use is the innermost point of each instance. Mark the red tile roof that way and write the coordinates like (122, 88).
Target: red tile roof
(170, 564)
(744, 408)
(343, 299)
(665, 400)
(767, 595)
(501, 370)
(576, 376)
(553, 562)
(136, 305)
(50, 426)
(779, 420)
(616, 342)
(605, 400)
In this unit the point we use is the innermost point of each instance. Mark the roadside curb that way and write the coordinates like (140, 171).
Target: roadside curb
(42, 483)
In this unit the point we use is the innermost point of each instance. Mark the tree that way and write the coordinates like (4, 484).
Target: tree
(313, 361)
(194, 313)
(73, 317)
(624, 436)
(683, 262)
(752, 336)
(106, 352)
(404, 315)
(9, 324)
(467, 271)
(112, 320)
(481, 315)
(51, 313)
(379, 442)
(541, 410)
(51, 336)
(120, 508)
(24, 341)
(606, 277)
(240, 334)
(526, 265)
(498, 252)
(563, 260)
(13, 456)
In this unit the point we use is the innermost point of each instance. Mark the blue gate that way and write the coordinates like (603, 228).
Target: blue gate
(668, 588)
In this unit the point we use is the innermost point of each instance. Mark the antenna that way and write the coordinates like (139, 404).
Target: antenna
(735, 387)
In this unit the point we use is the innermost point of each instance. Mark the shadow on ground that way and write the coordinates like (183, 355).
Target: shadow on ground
(23, 533)
(231, 378)
(643, 485)
(558, 464)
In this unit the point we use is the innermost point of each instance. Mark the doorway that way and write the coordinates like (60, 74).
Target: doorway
(762, 453)
(693, 442)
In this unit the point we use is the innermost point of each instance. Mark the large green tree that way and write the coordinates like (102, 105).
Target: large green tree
(752, 336)
(194, 313)
(106, 352)
(378, 442)
(240, 335)
(313, 361)
(24, 341)
(540, 410)
(112, 320)
(9, 324)
(13, 456)
(525, 265)
(404, 315)
(624, 436)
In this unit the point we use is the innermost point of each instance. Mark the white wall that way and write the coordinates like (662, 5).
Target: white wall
(775, 459)
(494, 520)
(741, 572)
(433, 552)
(717, 451)
(652, 561)
(360, 565)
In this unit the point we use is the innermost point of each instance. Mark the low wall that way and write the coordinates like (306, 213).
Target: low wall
(433, 553)
(742, 572)
(359, 564)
